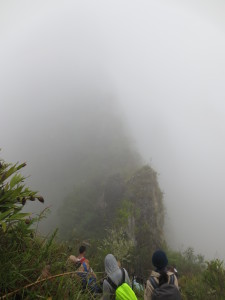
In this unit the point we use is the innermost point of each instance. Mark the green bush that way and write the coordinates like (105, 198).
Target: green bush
(208, 284)
(13, 196)
(25, 256)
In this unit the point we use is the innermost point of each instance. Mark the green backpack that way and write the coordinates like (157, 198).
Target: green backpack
(122, 291)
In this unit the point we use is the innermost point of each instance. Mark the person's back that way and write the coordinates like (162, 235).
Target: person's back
(162, 284)
(115, 274)
(82, 266)
(85, 272)
(153, 283)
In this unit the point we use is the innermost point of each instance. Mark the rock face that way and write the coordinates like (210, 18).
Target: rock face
(147, 218)
(133, 203)
(148, 211)
(137, 206)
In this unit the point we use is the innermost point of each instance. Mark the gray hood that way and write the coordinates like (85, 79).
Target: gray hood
(111, 264)
(114, 272)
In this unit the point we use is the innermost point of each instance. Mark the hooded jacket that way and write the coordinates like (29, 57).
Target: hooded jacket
(114, 272)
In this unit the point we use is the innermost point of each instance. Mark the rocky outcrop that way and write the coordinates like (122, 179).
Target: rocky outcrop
(134, 203)
(148, 212)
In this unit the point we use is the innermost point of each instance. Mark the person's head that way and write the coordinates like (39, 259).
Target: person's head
(159, 260)
(82, 249)
(111, 264)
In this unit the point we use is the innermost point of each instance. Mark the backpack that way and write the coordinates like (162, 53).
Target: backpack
(122, 291)
(87, 280)
(79, 262)
(166, 291)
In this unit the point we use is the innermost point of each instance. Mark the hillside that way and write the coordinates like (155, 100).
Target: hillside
(36, 267)
(133, 203)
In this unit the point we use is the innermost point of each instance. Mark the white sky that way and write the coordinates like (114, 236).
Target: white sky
(164, 62)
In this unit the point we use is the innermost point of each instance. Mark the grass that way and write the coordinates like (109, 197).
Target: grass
(34, 267)
(26, 261)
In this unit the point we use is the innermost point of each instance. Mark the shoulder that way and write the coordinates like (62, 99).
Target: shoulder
(73, 259)
(86, 261)
(169, 273)
(125, 271)
(149, 289)
(127, 279)
(106, 284)
(107, 289)
(108, 292)
(152, 281)
(154, 275)
(173, 278)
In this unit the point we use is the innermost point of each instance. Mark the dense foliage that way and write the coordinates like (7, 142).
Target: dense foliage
(131, 204)
(13, 196)
(208, 284)
(34, 267)
(31, 266)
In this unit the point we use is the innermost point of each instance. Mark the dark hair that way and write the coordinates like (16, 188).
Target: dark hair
(82, 249)
(159, 260)
(163, 278)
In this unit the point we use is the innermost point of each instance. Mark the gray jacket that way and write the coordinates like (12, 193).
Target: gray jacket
(114, 272)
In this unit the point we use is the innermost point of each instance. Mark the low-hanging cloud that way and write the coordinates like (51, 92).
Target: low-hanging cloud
(162, 63)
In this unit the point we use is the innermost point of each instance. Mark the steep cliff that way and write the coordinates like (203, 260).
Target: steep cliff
(133, 203)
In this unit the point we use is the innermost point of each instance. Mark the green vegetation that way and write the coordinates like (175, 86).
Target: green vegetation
(131, 204)
(198, 279)
(36, 267)
(208, 284)
(31, 267)
(186, 262)
(13, 196)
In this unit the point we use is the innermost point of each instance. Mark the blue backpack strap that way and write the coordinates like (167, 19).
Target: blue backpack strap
(85, 267)
(153, 282)
(172, 279)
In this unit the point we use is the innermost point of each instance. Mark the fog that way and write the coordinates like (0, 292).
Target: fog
(159, 66)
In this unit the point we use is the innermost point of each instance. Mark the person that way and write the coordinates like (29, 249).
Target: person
(84, 271)
(137, 285)
(115, 274)
(161, 276)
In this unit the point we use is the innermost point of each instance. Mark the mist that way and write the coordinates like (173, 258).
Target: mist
(158, 67)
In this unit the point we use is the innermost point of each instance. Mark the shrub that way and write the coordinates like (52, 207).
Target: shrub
(13, 196)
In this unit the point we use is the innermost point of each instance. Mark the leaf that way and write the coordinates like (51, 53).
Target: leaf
(21, 166)
(19, 216)
(8, 173)
(3, 226)
(6, 187)
(8, 206)
(5, 214)
(17, 178)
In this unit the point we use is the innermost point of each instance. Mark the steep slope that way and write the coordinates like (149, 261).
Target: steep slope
(112, 188)
(134, 204)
